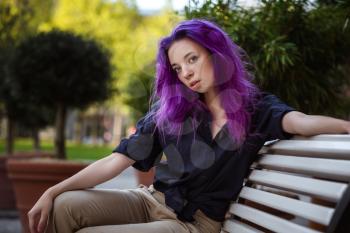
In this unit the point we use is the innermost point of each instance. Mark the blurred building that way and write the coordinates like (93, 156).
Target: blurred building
(95, 126)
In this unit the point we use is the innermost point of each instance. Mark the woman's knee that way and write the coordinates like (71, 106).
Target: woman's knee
(67, 200)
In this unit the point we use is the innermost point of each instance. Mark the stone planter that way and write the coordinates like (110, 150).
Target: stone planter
(31, 177)
(7, 200)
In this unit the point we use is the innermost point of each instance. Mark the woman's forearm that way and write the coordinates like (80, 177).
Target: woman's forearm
(308, 125)
(322, 124)
(96, 173)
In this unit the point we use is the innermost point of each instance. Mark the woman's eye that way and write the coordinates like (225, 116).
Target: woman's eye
(177, 69)
(192, 59)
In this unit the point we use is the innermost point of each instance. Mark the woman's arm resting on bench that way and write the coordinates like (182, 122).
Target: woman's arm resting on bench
(307, 125)
(96, 173)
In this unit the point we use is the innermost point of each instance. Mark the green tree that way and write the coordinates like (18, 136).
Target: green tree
(60, 70)
(140, 91)
(12, 21)
(299, 49)
(18, 19)
(131, 37)
(136, 87)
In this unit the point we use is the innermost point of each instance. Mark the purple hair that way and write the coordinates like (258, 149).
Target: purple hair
(177, 103)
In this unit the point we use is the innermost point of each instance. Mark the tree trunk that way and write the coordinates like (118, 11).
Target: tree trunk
(78, 128)
(60, 148)
(36, 140)
(10, 136)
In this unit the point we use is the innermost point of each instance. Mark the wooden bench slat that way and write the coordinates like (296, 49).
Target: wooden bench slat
(306, 210)
(234, 226)
(325, 168)
(324, 149)
(318, 167)
(268, 221)
(325, 137)
(327, 190)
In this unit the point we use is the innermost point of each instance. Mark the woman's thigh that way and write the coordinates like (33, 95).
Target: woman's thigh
(166, 226)
(206, 225)
(98, 207)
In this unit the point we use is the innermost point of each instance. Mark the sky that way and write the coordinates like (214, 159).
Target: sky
(158, 4)
(154, 5)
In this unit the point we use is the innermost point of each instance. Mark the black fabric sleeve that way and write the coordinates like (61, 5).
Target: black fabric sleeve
(143, 146)
(268, 117)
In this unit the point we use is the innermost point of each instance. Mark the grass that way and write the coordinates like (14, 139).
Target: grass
(74, 151)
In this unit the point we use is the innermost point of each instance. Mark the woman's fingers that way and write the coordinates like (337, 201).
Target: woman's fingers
(43, 221)
(32, 221)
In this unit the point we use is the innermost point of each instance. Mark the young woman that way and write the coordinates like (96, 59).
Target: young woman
(204, 129)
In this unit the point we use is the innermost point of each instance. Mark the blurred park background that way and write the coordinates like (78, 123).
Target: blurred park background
(80, 107)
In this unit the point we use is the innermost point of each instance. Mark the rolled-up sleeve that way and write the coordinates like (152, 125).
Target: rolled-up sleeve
(268, 118)
(143, 146)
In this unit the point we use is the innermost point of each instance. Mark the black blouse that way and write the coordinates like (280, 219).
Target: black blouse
(196, 171)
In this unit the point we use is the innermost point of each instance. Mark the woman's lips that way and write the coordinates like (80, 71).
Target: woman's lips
(194, 84)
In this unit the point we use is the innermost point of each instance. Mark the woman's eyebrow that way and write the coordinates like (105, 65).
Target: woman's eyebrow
(188, 54)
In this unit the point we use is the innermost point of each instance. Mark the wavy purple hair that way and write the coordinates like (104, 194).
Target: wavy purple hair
(177, 103)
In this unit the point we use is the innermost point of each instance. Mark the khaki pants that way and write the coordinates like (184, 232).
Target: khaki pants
(121, 211)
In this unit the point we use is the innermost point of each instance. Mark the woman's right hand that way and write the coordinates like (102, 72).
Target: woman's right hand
(39, 214)
(106, 168)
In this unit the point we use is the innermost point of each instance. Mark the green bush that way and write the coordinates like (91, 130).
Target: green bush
(298, 49)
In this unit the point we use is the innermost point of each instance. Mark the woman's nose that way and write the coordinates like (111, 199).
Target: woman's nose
(187, 73)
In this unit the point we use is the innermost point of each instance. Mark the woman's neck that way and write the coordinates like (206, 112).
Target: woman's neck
(212, 100)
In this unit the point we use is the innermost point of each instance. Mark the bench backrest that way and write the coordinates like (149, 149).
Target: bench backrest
(297, 185)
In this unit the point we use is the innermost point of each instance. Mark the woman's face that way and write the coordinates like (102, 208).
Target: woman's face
(193, 65)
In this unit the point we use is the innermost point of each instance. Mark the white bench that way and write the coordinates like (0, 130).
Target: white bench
(297, 185)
